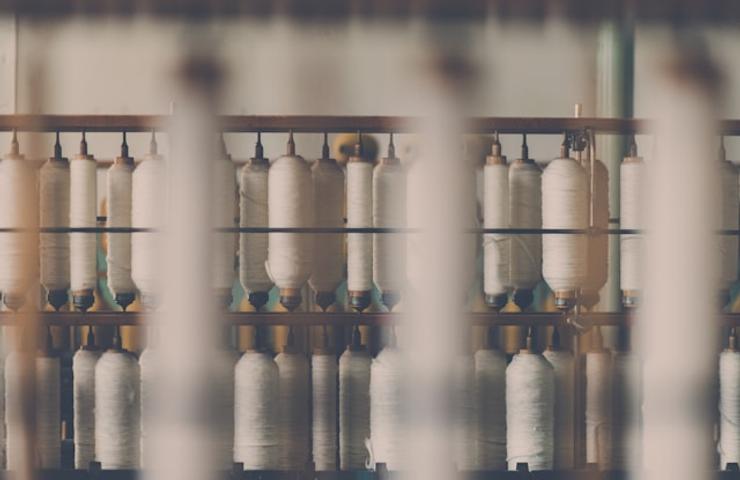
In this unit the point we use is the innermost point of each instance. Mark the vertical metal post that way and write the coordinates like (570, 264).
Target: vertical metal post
(614, 98)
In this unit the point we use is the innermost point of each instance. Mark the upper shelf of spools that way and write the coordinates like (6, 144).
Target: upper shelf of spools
(558, 214)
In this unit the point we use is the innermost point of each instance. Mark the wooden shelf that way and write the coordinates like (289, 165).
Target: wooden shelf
(334, 124)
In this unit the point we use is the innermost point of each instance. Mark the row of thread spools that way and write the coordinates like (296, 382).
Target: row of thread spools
(287, 411)
(288, 193)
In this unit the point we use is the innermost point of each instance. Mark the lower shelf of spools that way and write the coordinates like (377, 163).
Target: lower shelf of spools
(584, 474)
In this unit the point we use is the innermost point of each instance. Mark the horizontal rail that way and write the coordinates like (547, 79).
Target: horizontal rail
(349, 318)
(341, 230)
(333, 124)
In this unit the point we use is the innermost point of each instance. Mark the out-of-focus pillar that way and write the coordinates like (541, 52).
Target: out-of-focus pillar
(677, 325)
(183, 416)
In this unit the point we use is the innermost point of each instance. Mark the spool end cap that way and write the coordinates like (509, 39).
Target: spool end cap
(497, 301)
(258, 299)
(125, 299)
(523, 298)
(360, 300)
(391, 299)
(83, 302)
(325, 299)
(57, 298)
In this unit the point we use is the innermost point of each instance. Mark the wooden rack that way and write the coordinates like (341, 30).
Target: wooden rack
(335, 124)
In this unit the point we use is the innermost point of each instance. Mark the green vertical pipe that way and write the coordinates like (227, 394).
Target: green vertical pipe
(614, 98)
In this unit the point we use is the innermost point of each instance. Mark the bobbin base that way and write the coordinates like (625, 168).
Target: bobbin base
(14, 301)
(589, 299)
(565, 299)
(390, 299)
(325, 299)
(125, 299)
(523, 298)
(83, 300)
(258, 299)
(290, 298)
(224, 298)
(57, 298)
(497, 301)
(724, 298)
(630, 298)
(360, 300)
(150, 302)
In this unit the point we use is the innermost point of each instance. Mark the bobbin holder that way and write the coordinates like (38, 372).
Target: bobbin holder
(577, 129)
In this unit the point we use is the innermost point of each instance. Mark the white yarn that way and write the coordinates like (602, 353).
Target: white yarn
(294, 391)
(83, 213)
(354, 408)
(328, 249)
(564, 205)
(148, 371)
(465, 414)
(728, 244)
(148, 211)
(599, 408)
(253, 213)
(83, 391)
(117, 410)
(626, 437)
(13, 438)
(496, 215)
(54, 185)
(389, 210)
(562, 364)
(729, 408)
(223, 214)
(530, 408)
(256, 411)
(359, 214)
(119, 215)
(386, 409)
(490, 387)
(598, 245)
(631, 208)
(525, 211)
(324, 417)
(18, 202)
(223, 431)
(289, 194)
(48, 415)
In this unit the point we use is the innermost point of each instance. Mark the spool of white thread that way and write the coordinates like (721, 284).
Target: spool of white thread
(13, 434)
(48, 431)
(324, 417)
(562, 364)
(253, 213)
(631, 184)
(119, 215)
(626, 436)
(729, 405)
(490, 387)
(290, 194)
(525, 211)
(359, 215)
(148, 211)
(389, 211)
(256, 410)
(148, 371)
(83, 390)
(18, 208)
(496, 215)
(117, 410)
(54, 185)
(599, 407)
(223, 215)
(294, 391)
(386, 409)
(564, 206)
(354, 406)
(83, 213)
(530, 408)
(328, 250)
(598, 245)
(223, 373)
(730, 215)
(465, 414)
